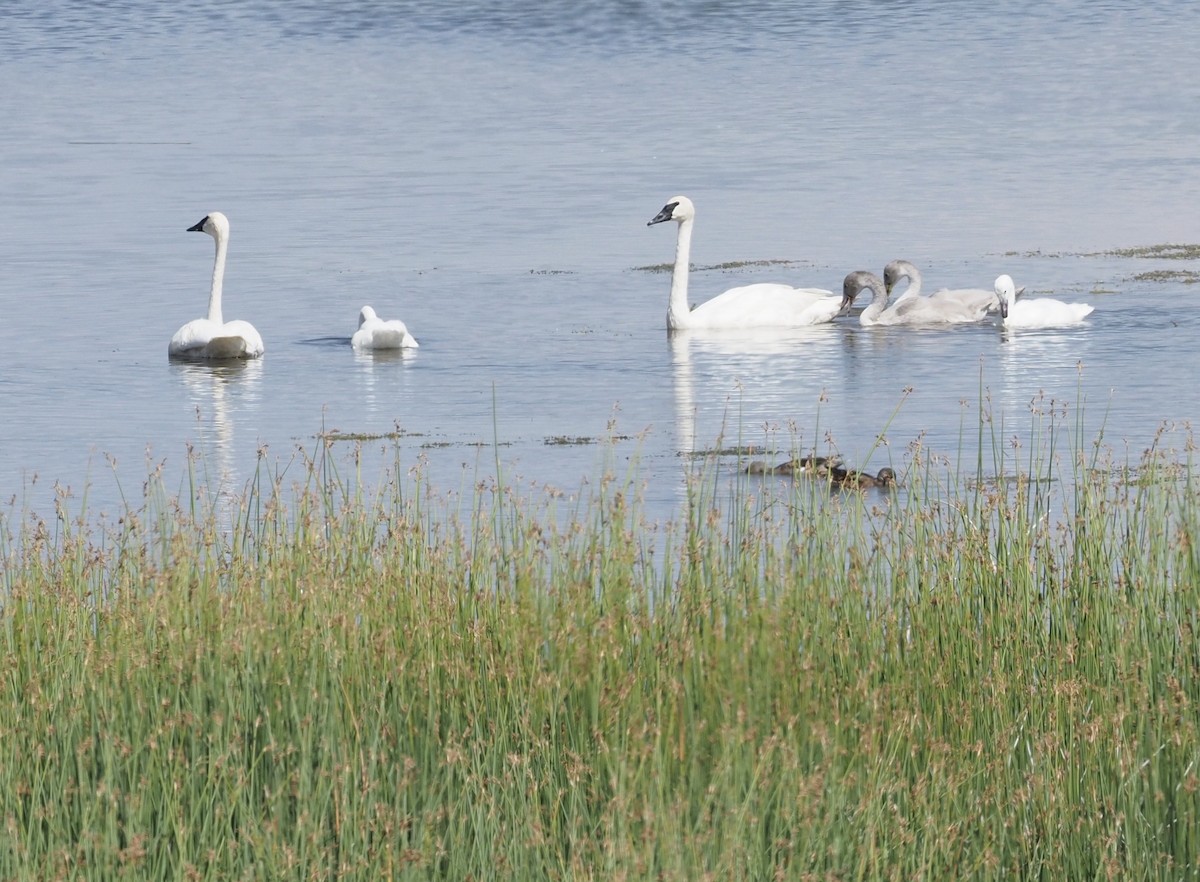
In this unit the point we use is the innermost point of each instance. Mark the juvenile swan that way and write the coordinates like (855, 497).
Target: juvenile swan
(763, 305)
(213, 337)
(956, 304)
(908, 310)
(1041, 312)
(375, 333)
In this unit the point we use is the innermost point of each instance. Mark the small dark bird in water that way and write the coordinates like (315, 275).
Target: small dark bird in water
(840, 477)
(816, 465)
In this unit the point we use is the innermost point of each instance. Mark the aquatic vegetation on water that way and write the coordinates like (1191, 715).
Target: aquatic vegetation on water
(995, 676)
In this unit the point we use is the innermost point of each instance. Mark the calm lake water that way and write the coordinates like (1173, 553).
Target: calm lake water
(485, 171)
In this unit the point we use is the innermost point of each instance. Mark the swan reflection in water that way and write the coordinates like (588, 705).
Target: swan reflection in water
(216, 389)
(382, 376)
(756, 377)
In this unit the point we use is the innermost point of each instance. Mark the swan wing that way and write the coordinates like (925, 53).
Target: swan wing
(191, 339)
(970, 298)
(1046, 313)
(204, 339)
(766, 305)
(377, 334)
(933, 310)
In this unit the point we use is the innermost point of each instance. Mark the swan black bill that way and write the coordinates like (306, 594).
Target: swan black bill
(664, 215)
(198, 228)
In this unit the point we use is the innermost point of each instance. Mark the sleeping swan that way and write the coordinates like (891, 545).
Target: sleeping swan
(958, 304)
(764, 305)
(375, 333)
(1041, 312)
(213, 337)
(908, 310)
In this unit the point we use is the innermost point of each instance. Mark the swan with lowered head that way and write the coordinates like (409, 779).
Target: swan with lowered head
(957, 304)
(213, 337)
(1040, 312)
(375, 333)
(908, 310)
(763, 305)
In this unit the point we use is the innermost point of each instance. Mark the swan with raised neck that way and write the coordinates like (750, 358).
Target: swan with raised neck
(212, 337)
(950, 305)
(761, 305)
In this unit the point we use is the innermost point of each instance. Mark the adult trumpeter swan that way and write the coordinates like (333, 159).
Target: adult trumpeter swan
(375, 333)
(908, 310)
(1041, 312)
(763, 305)
(212, 337)
(958, 304)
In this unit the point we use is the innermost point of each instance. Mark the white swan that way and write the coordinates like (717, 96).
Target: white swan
(907, 310)
(1041, 312)
(957, 304)
(763, 305)
(212, 337)
(375, 333)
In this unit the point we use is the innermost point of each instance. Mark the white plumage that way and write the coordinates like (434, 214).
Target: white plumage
(763, 305)
(376, 333)
(1039, 312)
(212, 337)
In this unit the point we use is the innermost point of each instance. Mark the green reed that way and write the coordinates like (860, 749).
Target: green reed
(328, 677)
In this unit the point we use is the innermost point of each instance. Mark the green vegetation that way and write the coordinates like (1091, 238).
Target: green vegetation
(985, 676)
(1165, 251)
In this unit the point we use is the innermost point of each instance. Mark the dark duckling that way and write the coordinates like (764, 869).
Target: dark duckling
(848, 478)
(802, 465)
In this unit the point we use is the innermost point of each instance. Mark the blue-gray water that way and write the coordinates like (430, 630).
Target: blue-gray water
(485, 171)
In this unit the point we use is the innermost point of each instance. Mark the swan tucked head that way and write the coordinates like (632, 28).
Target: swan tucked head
(214, 223)
(366, 314)
(678, 209)
(1007, 292)
(897, 270)
(856, 282)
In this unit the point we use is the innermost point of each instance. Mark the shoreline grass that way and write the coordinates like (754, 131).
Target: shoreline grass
(984, 676)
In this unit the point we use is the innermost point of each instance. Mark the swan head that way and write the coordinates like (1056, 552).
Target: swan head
(855, 282)
(678, 209)
(1006, 292)
(366, 314)
(897, 270)
(214, 223)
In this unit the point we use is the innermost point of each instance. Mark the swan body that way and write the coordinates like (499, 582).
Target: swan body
(213, 337)
(908, 310)
(956, 304)
(763, 305)
(376, 333)
(1041, 312)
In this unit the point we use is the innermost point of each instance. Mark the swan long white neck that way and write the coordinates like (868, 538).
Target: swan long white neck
(914, 283)
(879, 302)
(678, 309)
(218, 277)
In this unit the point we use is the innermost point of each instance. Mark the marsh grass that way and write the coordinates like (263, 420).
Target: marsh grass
(990, 674)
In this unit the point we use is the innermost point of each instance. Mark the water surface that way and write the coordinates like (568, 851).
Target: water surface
(485, 172)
